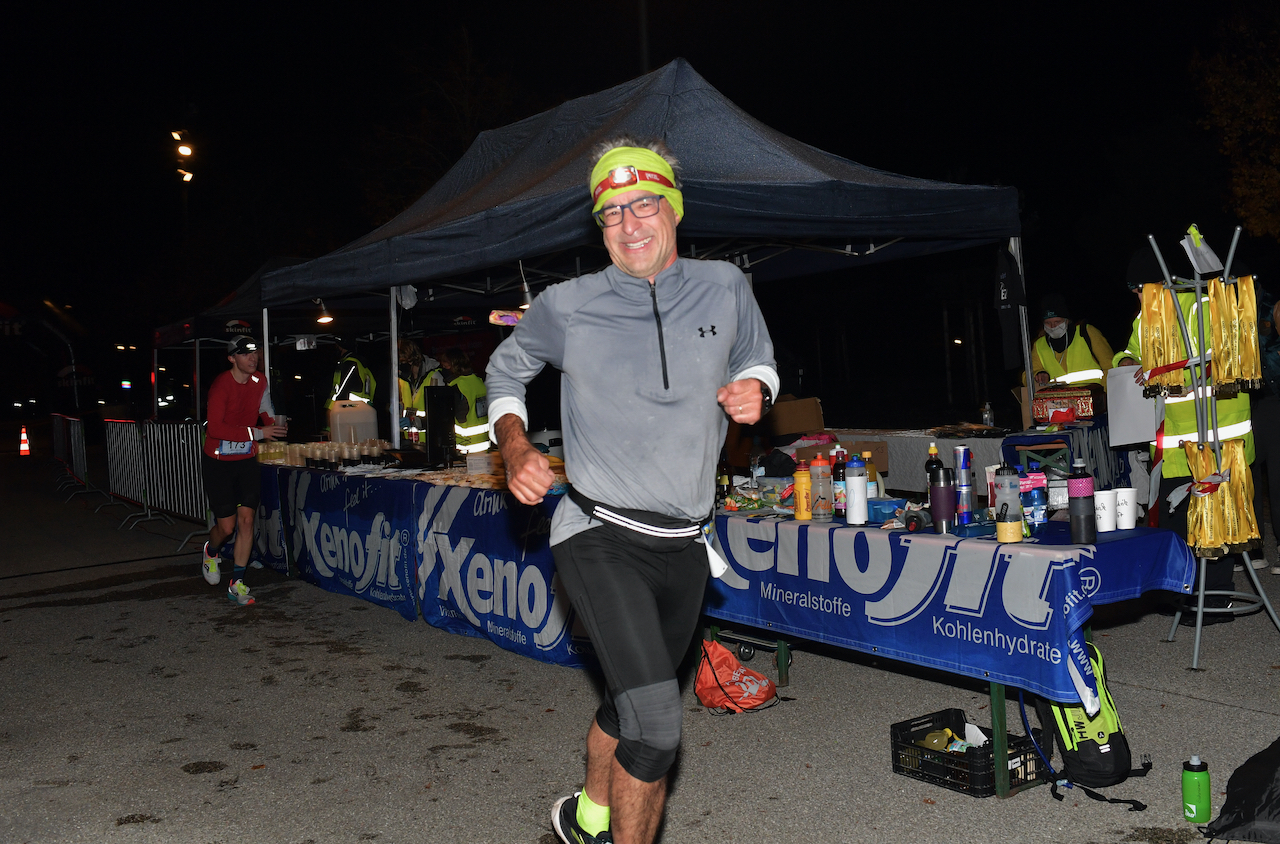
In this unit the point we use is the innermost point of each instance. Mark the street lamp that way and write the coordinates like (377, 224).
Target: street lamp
(185, 151)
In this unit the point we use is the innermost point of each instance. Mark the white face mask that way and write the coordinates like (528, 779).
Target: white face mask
(1057, 332)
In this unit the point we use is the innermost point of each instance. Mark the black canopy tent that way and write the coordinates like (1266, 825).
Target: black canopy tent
(516, 205)
(520, 193)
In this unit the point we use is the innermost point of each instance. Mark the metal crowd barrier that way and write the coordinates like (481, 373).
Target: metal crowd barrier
(156, 466)
(173, 459)
(59, 437)
(68, 444)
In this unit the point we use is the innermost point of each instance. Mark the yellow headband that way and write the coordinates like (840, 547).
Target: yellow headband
(623, 169)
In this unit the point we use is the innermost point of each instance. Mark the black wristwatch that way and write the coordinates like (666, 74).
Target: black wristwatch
(766, 398)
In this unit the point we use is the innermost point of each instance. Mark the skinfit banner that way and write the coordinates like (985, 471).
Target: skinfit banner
(352, 534)
(1008, 613)
(486, 570)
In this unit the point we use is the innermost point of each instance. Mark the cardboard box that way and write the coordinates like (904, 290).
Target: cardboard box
(879, 453)
(809, 451)
(791, 415)
(1021, 394)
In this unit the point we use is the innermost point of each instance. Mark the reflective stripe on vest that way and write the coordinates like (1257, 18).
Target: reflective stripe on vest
(1077, 377)
(471, 431)
(1226, 432)
(1203, 392)
(468, 449)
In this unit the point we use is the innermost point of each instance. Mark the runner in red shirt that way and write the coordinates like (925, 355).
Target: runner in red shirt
(239, 415)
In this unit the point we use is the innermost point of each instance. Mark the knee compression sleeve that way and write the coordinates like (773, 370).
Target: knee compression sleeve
(649, 720)
(607, 718)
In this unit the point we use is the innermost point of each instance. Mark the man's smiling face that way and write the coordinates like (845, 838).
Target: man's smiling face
(642, 248)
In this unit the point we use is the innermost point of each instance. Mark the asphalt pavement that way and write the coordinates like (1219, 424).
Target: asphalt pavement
(137, 704)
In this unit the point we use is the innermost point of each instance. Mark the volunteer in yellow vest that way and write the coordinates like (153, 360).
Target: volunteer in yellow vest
(471, 405)
(351, 378)
(417, 372)
(1168, 461)
(1068, 353)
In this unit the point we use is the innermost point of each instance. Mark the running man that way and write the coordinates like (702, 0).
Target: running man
(656, 354)
(239, 415)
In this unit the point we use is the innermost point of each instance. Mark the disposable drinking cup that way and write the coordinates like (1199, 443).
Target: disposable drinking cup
(1126, 508)
(1104, 509)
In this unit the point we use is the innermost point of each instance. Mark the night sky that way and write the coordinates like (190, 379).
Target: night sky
(313, 124)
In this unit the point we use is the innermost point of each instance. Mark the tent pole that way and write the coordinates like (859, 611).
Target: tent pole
(266, 346)
(196, 378)
(1015, 247)
(395, 372)
(946, 354)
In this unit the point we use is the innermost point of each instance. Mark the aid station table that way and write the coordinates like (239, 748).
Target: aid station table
(467, 560)
(1010, 614)
(909, 449)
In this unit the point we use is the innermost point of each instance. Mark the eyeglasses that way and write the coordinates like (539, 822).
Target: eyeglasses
(611, 215)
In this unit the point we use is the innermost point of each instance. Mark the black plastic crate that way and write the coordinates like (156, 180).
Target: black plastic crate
(971, 772)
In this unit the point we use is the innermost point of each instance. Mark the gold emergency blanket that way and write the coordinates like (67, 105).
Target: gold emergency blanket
(1223, 521)
(1250, 357)
(1161, 339)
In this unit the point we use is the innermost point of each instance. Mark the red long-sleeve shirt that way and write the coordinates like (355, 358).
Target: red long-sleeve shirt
(235, 410)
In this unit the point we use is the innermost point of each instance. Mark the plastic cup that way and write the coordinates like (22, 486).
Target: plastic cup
(1126, 508)
(1104, 509)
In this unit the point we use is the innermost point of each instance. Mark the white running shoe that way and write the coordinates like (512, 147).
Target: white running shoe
(210, 567)
(238, 593)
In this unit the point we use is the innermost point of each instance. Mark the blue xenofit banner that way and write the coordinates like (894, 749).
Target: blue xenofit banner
(268, 527)
(1007, 613)
(486, 570)
(352, 534)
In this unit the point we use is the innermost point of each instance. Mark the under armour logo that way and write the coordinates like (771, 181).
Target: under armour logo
(702, 332)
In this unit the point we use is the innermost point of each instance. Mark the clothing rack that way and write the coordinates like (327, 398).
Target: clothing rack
(1206, 409)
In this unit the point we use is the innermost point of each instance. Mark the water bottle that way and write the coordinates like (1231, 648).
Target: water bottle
(988, 415)
(822, 505)
(873, 476)
(1084, 526)
(1035, 503)
(856, 484)
(934, 462)
(724, 482)
(801, 491)
(839, 489)
(1196, 804)
(1008, 504)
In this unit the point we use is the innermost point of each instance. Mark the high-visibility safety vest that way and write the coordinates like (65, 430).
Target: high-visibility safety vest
(472, 434)
(1180, 412)
(1079, 366)
(412, 399)
(351, 380)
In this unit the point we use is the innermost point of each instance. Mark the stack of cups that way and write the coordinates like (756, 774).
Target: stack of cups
(1104, 509)
(1126, 508)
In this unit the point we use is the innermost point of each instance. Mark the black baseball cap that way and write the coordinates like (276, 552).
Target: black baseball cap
(1054, 306)
(241, 346)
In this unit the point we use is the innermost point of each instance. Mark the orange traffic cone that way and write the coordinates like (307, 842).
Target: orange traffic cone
(24, 447)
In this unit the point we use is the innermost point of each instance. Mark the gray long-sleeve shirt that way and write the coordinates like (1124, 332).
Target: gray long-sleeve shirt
(640, 368)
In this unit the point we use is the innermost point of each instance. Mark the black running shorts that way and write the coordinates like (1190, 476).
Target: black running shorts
(640, 607)
(229, 484)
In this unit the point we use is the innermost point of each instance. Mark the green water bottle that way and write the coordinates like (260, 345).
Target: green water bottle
(1195, 791)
